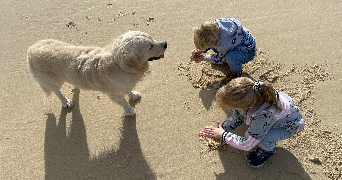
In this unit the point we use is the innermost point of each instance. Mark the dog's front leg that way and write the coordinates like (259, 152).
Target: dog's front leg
(134, 95)
(120, 99)
(65, 101)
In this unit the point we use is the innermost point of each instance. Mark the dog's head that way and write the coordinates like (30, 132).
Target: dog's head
(137, 49)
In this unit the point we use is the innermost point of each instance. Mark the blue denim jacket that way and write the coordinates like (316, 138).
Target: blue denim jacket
(233, 36)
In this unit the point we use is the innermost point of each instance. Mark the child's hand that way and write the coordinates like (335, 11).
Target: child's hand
(213, 132)
(196, 55)
(197, 58)
(197, 51)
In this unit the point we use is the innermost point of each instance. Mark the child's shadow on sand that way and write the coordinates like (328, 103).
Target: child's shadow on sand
(282, 165)
(67, 155)
(208, 95)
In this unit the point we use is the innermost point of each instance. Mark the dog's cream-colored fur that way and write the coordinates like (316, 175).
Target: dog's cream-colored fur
(114, 69)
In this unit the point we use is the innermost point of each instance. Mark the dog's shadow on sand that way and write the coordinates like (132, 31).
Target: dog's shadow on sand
(67, 155)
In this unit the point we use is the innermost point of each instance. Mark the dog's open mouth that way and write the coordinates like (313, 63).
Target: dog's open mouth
(156, 58)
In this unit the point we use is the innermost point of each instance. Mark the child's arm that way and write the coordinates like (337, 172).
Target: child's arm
(214, 58)
(210, 131)
(244, 143)
(255, 133)
(233, 122)
(229, 124)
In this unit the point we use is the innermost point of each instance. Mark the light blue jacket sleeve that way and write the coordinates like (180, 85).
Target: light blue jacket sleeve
(214, 58)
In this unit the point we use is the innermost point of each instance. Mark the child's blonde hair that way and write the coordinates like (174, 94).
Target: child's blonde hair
(206, 35)
(240, 94)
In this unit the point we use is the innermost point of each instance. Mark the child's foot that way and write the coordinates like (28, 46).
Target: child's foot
(258, 157)
(230, 76)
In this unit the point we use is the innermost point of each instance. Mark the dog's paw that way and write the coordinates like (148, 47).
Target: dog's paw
(68, 103)
(134, 95)
(130, 111)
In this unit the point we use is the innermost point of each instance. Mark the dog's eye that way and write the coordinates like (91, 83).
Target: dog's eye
(151, 47)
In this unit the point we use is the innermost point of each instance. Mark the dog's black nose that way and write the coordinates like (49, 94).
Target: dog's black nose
(165, 44)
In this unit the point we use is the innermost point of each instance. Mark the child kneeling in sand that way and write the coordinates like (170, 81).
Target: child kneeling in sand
(270, 114)
(231, 42)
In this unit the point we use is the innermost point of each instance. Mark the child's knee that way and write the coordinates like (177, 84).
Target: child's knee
(247, 57)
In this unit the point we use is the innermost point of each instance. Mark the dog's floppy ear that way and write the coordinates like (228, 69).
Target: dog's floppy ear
(131, 59)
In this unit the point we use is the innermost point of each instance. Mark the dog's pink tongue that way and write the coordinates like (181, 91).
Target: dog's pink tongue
(162, 56)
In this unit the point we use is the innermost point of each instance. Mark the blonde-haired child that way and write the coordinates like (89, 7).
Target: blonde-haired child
(270, 114)
(232, 43)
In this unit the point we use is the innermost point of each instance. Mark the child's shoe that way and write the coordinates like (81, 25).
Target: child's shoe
(230, 76)
(258, 157)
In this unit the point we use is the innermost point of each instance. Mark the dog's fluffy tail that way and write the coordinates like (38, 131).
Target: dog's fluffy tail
(46, 90)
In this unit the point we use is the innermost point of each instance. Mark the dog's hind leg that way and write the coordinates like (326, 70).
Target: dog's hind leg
(52, 84)
(120, 99)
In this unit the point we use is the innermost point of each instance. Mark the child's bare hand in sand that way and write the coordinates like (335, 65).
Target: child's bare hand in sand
(213, 132)
(196, 55)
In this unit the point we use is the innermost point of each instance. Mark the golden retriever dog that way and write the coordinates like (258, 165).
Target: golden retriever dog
(114, 69)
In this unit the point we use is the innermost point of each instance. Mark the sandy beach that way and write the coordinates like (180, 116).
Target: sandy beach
(299, 52)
